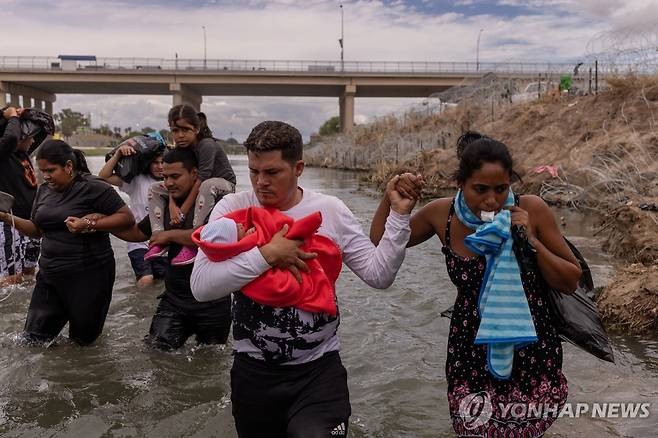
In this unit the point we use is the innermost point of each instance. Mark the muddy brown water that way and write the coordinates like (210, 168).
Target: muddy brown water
(393, 346)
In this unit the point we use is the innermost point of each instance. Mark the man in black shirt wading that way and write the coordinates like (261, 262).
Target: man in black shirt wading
(179, 315)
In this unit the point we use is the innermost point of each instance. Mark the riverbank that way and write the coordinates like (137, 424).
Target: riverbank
(598, 153)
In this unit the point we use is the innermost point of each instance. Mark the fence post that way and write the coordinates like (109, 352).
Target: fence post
(492, 108)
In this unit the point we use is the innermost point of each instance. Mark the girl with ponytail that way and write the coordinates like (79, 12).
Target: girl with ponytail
(215, 179)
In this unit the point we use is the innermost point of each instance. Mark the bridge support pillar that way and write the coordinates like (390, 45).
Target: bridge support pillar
(184, 94)
(28, 93)
(14, 100)
(346, 106)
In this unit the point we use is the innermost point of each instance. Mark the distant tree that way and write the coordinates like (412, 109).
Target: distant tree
(117, 131)
(127, 130)
(105, 130)
(69, 120)
(331, 126)
(148, 129)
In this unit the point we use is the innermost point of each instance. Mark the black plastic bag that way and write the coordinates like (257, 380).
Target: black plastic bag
(575, 316)
(37, 124)
(34, 123)
(147, 147)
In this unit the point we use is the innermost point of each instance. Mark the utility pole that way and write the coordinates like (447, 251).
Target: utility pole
(341, 40)
(477, 52)
(205, 62)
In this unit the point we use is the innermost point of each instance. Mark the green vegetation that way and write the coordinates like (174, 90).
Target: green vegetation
(69, 120)
(331, 126)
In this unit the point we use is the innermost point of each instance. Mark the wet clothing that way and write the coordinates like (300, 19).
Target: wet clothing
(179, 315)
(82, 300)
(310, 400)
(172, 325)
(537, 373)
(156, 267)
(61, 250)
(17, 251)
(76, 274)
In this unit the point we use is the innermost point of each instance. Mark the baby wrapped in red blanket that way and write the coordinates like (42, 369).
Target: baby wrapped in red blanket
(221, 240)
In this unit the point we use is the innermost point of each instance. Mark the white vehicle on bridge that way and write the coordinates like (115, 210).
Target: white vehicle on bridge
(75, 62)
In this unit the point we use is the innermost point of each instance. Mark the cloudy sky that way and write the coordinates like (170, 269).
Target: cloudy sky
(381, 30)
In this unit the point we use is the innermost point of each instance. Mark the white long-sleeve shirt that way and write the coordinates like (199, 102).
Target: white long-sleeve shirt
(263, 336)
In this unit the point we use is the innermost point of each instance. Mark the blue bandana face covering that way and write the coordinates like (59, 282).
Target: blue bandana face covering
(505, 319)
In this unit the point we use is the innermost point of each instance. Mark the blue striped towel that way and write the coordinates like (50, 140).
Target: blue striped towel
(505, 319)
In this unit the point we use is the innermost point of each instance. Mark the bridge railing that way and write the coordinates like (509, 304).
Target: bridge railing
(311, 67)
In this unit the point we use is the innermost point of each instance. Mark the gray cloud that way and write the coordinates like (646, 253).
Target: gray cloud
(287, 29)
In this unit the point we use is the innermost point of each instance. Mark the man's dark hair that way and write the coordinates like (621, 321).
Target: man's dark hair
(181, 155)
(274, 135)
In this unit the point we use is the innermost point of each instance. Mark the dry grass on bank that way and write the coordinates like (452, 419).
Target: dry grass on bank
(604, 146)
(630, 303)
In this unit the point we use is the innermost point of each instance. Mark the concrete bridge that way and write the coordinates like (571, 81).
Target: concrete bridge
(37, 80)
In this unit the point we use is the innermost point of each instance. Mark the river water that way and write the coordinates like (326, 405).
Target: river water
(393, 346)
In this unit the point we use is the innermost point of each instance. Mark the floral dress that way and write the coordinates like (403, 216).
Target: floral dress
(527, 403)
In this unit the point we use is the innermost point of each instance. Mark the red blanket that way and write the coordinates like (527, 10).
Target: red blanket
(278, 287)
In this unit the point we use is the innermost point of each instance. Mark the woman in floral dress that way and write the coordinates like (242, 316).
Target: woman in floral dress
(484, 403)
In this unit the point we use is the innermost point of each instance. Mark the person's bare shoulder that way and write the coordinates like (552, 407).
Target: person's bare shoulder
(439, 206)
(436, 212)
(533, 204)
(539, 213)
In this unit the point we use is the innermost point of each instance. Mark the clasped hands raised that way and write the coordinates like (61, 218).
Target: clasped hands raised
(403, 191)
